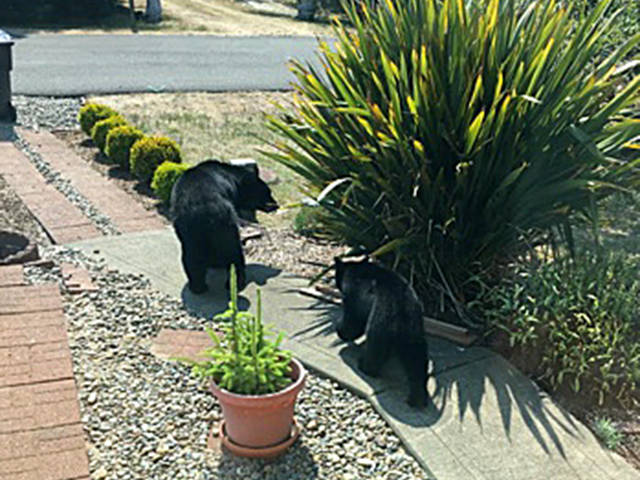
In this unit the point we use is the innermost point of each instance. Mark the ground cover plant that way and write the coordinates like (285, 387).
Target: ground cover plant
(447, 136)
(575, 323)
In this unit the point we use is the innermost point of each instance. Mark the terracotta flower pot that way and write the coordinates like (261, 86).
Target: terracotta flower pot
(261, 422)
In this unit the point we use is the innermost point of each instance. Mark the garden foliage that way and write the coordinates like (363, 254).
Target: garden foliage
(149, 153)
(578, 319)
(245, 361)
(444, 136)
(91, 113)
(102, 128)
(164, 177)
(119, 143)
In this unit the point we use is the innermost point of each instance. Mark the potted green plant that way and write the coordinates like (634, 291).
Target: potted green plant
(255, 381)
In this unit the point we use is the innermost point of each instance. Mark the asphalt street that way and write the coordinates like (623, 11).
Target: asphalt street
(70, 65)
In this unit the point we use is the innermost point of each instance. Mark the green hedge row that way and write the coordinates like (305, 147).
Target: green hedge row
(151, 159)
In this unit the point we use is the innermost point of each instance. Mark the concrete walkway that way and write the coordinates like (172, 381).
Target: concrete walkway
(71, 65)
(488, 421)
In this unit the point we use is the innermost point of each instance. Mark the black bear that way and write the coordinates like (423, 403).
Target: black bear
(204, 205)
(379, 303)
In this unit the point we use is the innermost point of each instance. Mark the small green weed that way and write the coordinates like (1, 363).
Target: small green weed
(607, 432)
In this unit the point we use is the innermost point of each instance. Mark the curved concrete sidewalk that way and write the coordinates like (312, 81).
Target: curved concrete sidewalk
(72, 65)
(488, 421)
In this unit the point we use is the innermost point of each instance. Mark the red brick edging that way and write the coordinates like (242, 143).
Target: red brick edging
(60, 218)
(123, 210)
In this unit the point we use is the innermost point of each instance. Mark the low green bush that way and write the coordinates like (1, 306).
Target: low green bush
(102, 128)
(91, 113)
(579, 321)
(164, 177)
(607, 432)
(119, 142)
(149, 153)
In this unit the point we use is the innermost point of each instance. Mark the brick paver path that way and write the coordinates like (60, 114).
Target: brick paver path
(41, 435)
(171, 343)
(106, 196)
(61, 219)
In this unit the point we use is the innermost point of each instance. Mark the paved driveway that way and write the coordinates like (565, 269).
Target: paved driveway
(67, 65)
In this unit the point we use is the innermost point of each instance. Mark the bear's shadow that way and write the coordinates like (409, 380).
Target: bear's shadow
(216, 299)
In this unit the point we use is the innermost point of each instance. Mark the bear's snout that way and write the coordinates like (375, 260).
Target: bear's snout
(270, 207)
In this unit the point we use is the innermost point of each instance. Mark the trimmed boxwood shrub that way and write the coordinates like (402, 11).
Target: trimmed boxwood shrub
(103, 127)
(149, 153)
(119, 142)
(91, 113)
(164, 177)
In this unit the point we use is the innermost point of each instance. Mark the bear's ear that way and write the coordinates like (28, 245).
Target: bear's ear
(248, 164)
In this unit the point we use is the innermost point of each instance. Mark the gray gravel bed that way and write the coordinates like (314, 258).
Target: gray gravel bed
(49, 113)
(148, 418)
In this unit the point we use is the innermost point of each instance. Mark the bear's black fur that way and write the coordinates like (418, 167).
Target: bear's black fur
(204, 205)
(379, 303)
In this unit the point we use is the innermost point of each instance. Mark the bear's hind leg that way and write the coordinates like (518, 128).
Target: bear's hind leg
(230, 253)
(376, 352)
(195, 266)
(414, 357)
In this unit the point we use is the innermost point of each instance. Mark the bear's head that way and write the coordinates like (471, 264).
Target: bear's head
(255, 194)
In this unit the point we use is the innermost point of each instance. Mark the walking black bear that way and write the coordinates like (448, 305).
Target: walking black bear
(204, 205)
(379, 303)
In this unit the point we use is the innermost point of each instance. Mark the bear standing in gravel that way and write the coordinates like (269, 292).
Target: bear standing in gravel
(204, 206)
(379, 303)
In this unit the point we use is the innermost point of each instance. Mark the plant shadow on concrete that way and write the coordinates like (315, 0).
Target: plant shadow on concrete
(470, 386)
(216, 299)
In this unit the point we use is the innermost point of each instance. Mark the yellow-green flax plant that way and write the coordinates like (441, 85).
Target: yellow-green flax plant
(454, 133)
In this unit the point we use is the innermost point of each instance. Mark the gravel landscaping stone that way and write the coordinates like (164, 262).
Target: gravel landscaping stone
(48, 113)
(148, 418)
(64, 186)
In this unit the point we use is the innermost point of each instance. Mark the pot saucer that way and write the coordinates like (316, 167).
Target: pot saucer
(272, 451)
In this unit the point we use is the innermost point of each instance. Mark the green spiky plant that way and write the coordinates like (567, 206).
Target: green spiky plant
(444, 136)
(245, 361)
